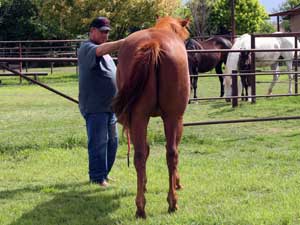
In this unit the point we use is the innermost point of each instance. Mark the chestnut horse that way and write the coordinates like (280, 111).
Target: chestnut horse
(204, 62)
(153, 80)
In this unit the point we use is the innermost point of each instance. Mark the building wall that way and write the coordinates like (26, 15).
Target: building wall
(295, 24)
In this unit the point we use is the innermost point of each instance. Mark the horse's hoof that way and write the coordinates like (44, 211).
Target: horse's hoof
(173, 209)
(179, 186)
(140, 214)
(227, 99)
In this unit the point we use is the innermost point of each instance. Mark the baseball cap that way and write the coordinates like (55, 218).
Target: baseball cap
(102, 23)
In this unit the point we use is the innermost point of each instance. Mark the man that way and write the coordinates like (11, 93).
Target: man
(97, 87)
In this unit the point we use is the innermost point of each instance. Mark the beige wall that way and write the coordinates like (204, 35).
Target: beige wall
(295, 23)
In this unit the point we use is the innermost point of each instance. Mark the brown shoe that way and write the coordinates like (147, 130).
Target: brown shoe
(104, 184)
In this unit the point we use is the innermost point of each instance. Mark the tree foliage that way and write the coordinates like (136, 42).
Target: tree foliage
(64, 19)
(200, 10)
(250, 16)
(18, 20)
(289, 4)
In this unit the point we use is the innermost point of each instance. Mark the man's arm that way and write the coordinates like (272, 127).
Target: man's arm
(109, 47)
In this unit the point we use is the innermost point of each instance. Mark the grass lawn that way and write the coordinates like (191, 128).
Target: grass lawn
(232, 173)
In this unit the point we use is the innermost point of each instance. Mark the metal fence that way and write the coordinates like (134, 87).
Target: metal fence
(234, 75)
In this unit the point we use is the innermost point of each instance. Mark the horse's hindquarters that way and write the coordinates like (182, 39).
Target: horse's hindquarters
(173, 80)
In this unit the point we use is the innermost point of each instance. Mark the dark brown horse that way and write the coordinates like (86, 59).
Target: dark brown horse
(204, 62)
(244, 66)
(153, 80)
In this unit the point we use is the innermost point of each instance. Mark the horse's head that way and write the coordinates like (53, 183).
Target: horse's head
(227, 82)
(176, 25)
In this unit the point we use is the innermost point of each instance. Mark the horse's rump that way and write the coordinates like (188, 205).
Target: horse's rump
(143, 64)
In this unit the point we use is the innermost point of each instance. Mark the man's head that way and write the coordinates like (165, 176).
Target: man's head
(99, 29)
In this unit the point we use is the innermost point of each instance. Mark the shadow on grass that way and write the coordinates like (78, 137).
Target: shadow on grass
(73, 206)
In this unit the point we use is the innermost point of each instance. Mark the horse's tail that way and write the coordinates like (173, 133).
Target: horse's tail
(145, 63)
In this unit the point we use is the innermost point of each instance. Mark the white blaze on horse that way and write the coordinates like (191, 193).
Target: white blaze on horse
(261, 58)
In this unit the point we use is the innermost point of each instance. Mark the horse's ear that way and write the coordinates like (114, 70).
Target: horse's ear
(157, 17)
(185, 22)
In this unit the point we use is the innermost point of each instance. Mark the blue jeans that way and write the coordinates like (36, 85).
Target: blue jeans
(102, 144)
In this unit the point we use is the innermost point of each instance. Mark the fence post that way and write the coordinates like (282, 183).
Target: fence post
(20, 63)
(51, 64)
(76, 54)
(296, 66)
(234, 87)
(252, 77)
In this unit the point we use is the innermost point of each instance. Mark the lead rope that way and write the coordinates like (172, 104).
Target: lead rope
(128, 146)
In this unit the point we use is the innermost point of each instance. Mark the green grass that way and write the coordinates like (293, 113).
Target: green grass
(232, 173)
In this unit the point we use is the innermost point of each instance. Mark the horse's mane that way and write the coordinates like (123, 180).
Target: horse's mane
(175, 25)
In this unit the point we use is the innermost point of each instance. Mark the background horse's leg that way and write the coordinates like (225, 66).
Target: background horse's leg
(138, 132)
(192, 86)
(219, 71)
(173, 131)
(246, 91)
(289, 65)
(243, 87)
(195, 81)
(275, 67)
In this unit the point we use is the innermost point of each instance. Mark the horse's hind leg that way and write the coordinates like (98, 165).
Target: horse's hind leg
(173, 130)
(275, 67)
(289, 68)
(178, 138)
(138, 132)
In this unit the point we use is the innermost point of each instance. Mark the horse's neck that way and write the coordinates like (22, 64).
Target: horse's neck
(233, 57)
(172, 28)
(207, 44)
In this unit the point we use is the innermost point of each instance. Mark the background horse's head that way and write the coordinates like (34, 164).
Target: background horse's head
(193, 58)
(192, 44)
(176, 25)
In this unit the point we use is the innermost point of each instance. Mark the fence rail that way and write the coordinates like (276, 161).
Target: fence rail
(235, 97)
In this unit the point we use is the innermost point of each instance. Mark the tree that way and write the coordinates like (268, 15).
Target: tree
(200, 11)
(289, 4)
(70, 18)
(18, 20)
(66, 19)
(250, 16)
(60, 19)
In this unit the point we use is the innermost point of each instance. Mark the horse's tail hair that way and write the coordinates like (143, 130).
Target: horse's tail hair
(145, 59)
